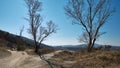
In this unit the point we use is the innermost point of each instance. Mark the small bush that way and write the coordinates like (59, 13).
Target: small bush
(30, 51)
(21, 48)
(47, 50)
(65, 55)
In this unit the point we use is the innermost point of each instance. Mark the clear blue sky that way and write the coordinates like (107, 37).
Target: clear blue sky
(13, 12)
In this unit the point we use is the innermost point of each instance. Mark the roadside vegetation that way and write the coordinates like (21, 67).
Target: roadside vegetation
(96, 59)
(4, 53)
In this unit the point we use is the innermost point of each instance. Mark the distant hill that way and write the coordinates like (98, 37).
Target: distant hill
(69, 47)
(81, 46)
(11, 40)
(73, 47)
(116, 47)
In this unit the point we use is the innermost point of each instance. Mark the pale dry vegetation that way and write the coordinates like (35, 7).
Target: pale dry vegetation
(43, 51)
(4, 53)
(97, 59)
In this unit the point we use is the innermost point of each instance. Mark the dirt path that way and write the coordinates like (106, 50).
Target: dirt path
(48, 56)
(23, 60)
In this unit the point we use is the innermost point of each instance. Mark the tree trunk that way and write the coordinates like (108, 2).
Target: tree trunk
(36, 47)
(39, 48)
(93, 44)
(89, 45)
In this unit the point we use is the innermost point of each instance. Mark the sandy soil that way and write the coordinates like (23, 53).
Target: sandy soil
(23, 60)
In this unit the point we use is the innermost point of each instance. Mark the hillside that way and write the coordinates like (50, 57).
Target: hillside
(12, 41)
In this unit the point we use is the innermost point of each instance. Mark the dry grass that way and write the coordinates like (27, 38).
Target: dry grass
(65, 55)
(47, 50)
(30, 52)
(4, 53)
(97, 59)
(43, 51)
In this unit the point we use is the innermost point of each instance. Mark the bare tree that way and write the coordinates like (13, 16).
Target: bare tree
(21, 31)
(91, 15)
(38, 32)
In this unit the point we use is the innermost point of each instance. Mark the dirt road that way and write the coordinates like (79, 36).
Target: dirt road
(23, 60)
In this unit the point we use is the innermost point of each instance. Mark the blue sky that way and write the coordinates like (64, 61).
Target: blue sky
(13, 12)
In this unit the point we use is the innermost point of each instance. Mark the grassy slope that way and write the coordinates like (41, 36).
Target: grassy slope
(97, 59)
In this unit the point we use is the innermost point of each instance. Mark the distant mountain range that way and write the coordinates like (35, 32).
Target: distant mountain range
(81, 46)
(72, 47)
